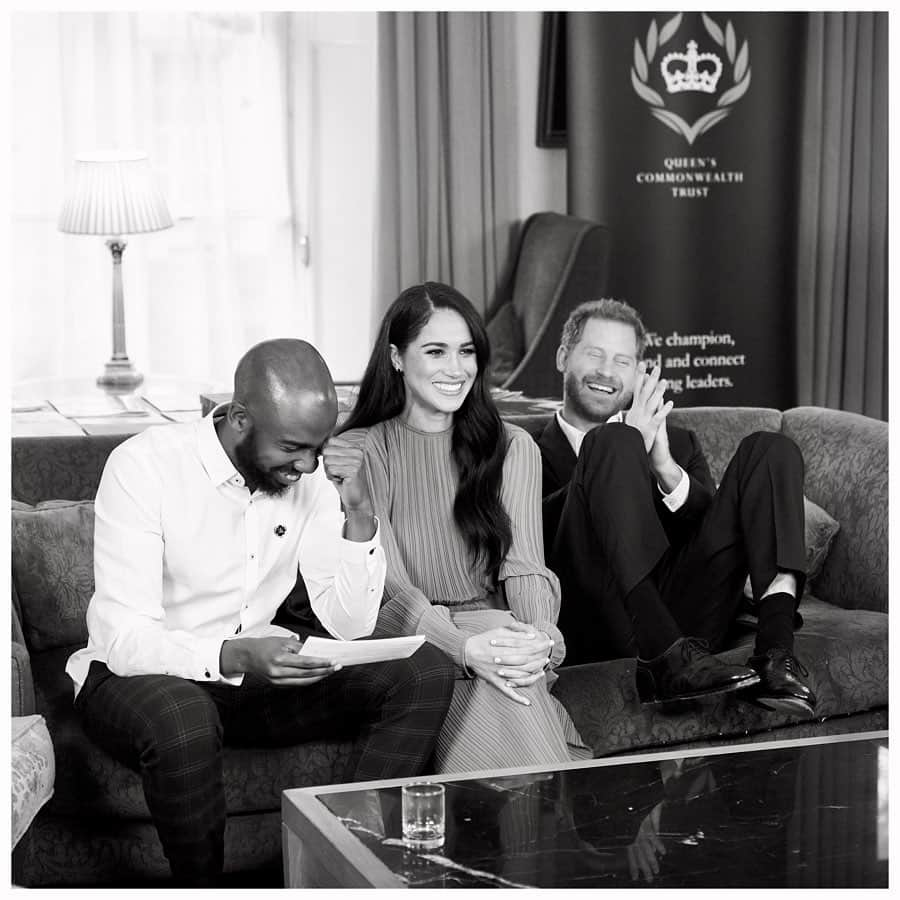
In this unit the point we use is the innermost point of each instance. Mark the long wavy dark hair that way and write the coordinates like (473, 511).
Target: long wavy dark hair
(479, 440)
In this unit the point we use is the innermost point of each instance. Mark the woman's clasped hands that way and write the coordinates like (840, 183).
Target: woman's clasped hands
(512, 656)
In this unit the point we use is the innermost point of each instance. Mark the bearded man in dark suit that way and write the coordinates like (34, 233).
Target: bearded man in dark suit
(651, 556)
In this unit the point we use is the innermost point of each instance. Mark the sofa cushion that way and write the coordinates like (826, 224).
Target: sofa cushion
(507, 348)
(53, 570)
(53, 467)
(820, 531)
(845, 652)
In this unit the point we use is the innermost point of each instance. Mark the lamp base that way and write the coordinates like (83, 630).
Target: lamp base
(119, 376)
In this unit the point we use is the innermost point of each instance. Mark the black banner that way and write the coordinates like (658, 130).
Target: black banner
(683, 133)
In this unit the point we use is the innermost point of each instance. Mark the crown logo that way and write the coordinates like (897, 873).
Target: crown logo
(688, 76)
(686, 73)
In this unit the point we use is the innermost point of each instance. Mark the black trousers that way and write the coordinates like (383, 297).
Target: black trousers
(611, 537)
(172, 731)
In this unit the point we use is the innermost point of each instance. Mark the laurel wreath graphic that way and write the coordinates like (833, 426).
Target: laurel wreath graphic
(740, 73)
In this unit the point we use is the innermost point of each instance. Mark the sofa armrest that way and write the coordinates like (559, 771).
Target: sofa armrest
(846, 458)
(23, 702)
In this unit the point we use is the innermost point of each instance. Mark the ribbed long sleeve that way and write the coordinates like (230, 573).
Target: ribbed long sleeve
(532, 590)
(429, 573)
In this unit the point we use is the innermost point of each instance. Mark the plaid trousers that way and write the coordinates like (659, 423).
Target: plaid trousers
(172, 730)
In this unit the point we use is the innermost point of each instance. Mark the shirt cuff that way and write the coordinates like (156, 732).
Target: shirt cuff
(357, 551)
(209, 652)
(675, 499)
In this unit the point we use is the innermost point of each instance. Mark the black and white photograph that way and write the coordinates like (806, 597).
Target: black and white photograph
(448, 448)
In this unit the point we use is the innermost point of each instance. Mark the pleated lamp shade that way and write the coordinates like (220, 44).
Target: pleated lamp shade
(113, 194)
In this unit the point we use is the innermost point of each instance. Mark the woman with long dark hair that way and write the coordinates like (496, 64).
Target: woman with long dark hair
(457, 494)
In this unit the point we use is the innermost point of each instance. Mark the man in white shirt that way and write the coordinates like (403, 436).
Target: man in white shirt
(200, 531)
(651, 557)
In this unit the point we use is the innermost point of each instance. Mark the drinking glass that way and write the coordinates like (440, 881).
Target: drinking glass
(422, 813)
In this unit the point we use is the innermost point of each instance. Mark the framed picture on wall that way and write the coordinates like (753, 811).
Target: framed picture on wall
(551, 124)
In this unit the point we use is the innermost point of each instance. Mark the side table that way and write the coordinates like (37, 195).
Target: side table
(77, 406)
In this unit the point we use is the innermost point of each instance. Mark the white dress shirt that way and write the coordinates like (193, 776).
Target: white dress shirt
(674, 500)
(185, 557)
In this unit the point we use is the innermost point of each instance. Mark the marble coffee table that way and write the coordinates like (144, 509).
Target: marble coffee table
(802, 813)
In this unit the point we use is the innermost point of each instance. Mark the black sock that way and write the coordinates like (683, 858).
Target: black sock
(776, 623)
(654, 627)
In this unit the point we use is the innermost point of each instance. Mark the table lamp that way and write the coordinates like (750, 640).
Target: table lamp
(114, 194)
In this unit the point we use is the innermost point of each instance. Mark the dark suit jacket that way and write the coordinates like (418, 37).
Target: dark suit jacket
(558, 463)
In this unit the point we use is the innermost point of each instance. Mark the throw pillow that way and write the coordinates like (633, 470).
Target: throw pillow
(507, 348)
(820, 531)
(53, 570)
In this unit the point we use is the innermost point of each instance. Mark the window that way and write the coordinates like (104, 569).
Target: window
(260, 128)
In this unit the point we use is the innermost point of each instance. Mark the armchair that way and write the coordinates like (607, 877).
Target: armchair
(562, 261)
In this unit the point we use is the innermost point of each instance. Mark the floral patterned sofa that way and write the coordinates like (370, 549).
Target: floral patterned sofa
(96, 829)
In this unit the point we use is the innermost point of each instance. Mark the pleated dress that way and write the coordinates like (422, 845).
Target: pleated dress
(432, 589)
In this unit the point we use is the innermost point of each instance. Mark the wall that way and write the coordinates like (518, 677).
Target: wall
(542, 172)
(335, 76)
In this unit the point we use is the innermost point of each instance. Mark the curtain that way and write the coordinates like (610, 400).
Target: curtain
(842, 311)
(447, 158)
(205, 95)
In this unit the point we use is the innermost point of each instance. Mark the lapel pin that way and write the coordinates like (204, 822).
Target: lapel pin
(280, 530)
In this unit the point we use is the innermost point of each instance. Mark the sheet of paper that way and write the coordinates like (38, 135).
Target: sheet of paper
(42, 423)
(173, 401)
(119, 424)
(30, 406)
(352, 653)
(99, 405)
(182, 415)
